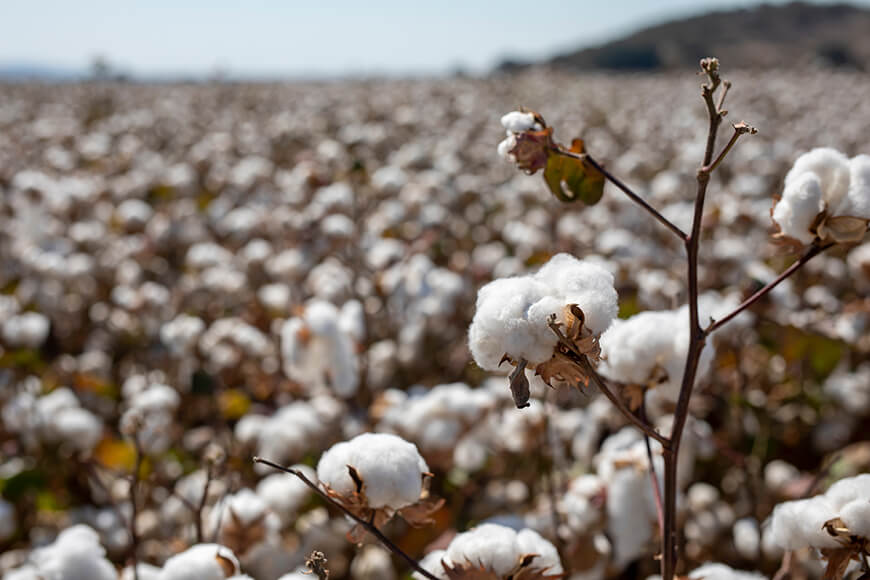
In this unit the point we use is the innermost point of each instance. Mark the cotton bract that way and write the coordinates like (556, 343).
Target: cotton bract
(512, 313)
(391, 469)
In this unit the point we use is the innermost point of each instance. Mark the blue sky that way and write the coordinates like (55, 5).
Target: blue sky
(319, 38)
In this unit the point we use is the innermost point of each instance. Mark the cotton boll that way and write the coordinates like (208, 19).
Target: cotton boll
(284, 494)
(390, 468)
(801, 202)
(143, 572)
(26, 330)
(498, 549)
(518, 121)
(76, 554)
(372, 563)
(500, 325)
(79, 428)
(747, 538)
(848, 490)
(201, 562)
(831, 169)
(857, 200)
(797, 524)
(712, 571)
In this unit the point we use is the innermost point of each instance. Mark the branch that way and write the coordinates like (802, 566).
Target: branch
(809, 255)
(626, 190)
(620, 404)
(657, 491)
(740, 128)
(369, 527)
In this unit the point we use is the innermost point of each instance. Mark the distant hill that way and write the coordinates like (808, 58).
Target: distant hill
(784, 36)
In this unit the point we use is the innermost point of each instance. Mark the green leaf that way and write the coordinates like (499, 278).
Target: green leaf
(571, 179)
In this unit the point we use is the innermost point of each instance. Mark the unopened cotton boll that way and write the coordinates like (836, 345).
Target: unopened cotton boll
(391, 469)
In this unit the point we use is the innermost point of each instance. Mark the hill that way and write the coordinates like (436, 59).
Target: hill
(784, 36)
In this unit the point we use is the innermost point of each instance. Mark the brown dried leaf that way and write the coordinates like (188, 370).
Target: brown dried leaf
(838, 561)
(525, 570)
(842, 229)
(633, 395)
(420, 513)
(520, 385)
(238, 536)
(227, 565)
(562, 369)
(468, 572)
(533, 149)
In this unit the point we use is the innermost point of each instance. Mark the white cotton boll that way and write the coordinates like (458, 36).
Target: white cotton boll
(547, 557)
(848, 490)
(829, 166)
(8, 520)
(797, 524)
(432, 564)
(470, 454)
(713, 571)
(857, 200)
(274, 296)
(134, 213)
(506, 146)
(352, 320)
(517, 122)
(856, 516)
(26, 330)
(583, 283)
(747, 538)
(249, 428)
(372, 563)
(207, 254)
(701, 496)
(79, 428)
(801, 202)
(76, 554)
(391, 469)
(501, 324)
(181, 334)
(143, 572)
(284, 494)
(201, 562)
(778, 474)
(629, 522)
(337, 226)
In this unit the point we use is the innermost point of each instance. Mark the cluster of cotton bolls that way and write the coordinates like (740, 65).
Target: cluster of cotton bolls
(193, 275)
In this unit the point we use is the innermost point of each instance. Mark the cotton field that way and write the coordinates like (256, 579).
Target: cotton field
(347, 279)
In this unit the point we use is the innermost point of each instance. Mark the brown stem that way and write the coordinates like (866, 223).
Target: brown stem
(626, 190)
(657, 491)
(814, 250)
(696, 334)
(201, 506)
(369, 526)
(740, 128)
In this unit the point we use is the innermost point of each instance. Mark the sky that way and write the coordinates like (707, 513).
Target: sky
(316, 38)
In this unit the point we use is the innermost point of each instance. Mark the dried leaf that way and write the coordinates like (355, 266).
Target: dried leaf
(842, 229)
(468, 572)
(838, 561)
(533, 149)
(525, 570)
(227, 565)
(571, 179)
(520, 385)
(562, 369)
(633, 395)
(420, 513)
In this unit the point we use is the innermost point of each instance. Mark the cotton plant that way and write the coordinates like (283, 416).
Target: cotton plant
(75, 554)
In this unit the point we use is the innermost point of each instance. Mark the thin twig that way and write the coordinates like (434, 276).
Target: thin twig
(626, 190)
(784, 571)
(369, 526)
(201, 506)
(809, 255)
(657, 490)
(740, 128)
(726, 86)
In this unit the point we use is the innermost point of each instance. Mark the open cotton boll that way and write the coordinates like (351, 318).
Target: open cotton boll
(201, 562)
(518, 121)
(798, 524)
(284, 493)
(497, 549)
(76, 554)
(143, 572)
(512, 314)
(711, 571)
(26, 330)
(801, 202)
(391, 469)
